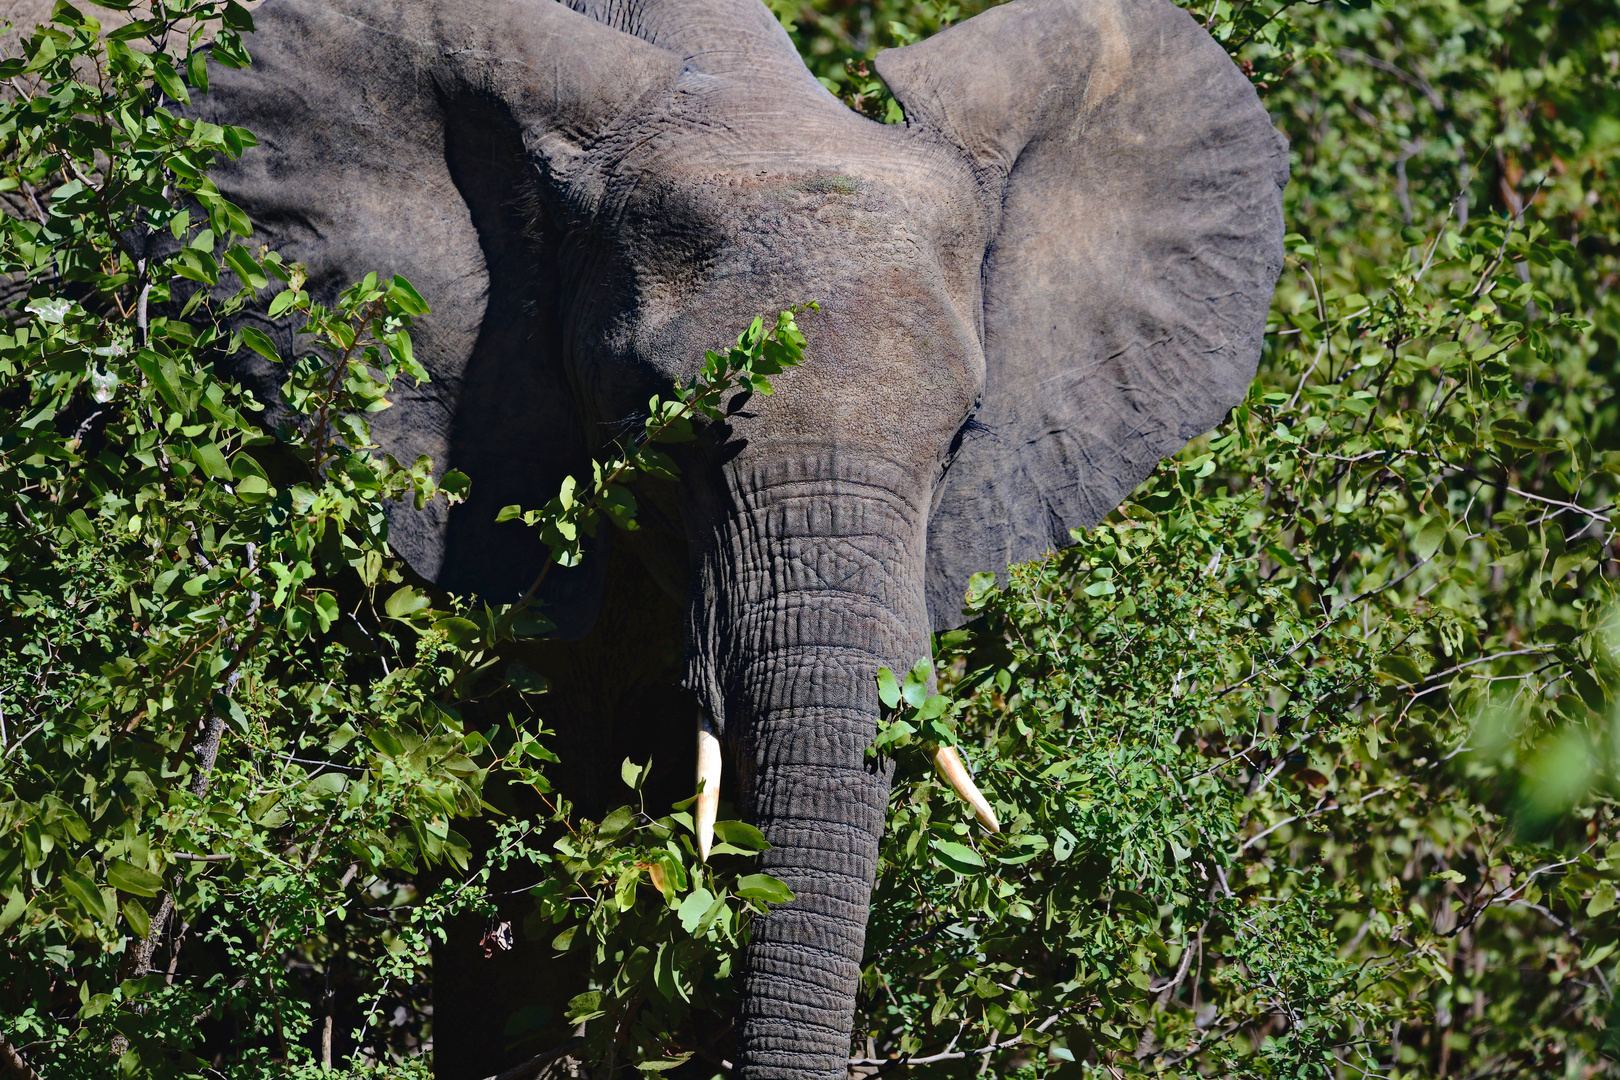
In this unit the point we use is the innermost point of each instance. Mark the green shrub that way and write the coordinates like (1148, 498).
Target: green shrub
(1241, 738)
(1305, 758)
(232, 733)
(1402, 541)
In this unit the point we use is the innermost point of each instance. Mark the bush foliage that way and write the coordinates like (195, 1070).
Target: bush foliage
(1306, 757)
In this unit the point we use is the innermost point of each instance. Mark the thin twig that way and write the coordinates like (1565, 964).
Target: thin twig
(1316, 811)
(538, 1062)
(1417, 82)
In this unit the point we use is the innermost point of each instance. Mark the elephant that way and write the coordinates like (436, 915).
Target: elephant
(1051, 275)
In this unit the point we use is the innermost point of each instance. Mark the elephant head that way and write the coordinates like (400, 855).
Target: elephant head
(1052, 275)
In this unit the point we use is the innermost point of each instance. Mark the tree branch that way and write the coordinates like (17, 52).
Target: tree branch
(1417, 83)
(529, 1068)
(14, 1064)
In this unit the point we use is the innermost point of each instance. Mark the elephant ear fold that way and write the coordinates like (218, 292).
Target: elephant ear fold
(1133, 184)
(436, 140)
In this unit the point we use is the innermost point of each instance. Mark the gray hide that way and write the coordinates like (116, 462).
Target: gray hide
(1054, 274)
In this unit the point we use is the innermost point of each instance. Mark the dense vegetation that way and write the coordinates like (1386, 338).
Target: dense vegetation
(1306, 758)
(1330, 704)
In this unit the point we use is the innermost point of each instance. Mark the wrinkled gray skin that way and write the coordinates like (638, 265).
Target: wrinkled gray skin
(1051, 276)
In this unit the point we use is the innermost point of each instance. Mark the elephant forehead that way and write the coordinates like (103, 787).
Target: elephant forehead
(755, 235)
(711, 223)
(725, 172)
(794, 226)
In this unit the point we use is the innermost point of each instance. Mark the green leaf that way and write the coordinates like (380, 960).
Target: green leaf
(455, 484)
(888, 688)
(624, 892)
(196, 266)
(693, 908)
(1596, 954)
(915, 689)
(959, 857)
(236, 17)
(1572, 559)
(197, 74)
(246, 465)
(586, 1006)
(86, 895)
(980, 587)
(326, 608)
(137, 918)
(402, 350)
(462, 633)
(15, 905)
(619, 505)
(1402, 668)
(664, 1064)
(135, 28)
(164, 75)
(520, 677)
(530, 623)
(1443, 353)
(162, 373)
(742, 835)
(263, 809)
(1130, 900)
(260, 343)
(130, 878)
(246, 267)
(327, 785)
(763, 888)
(896, 733)
(1590, 689)
(666, 979)
(632, 774)
(253, 489)
(1429, 537)
(213, 462)
(283, 302)
(616, 822)
(405, 296)
(406, 602)
(386, 740)
(236, 218)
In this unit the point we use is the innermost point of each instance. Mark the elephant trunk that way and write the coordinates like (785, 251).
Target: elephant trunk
(814, 581)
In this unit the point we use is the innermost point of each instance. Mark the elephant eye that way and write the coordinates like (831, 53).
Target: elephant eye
(971, 428)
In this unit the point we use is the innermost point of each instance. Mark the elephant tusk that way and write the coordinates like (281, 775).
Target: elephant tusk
(708, 779)
(951, 768)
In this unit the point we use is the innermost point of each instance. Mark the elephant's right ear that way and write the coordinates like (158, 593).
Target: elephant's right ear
(1133, 182)
(435, 139)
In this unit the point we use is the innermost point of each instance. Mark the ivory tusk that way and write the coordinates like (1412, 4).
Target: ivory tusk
(951, 768)
(708, 779)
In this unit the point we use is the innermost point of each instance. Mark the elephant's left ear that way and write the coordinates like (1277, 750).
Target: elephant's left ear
(1134, 185)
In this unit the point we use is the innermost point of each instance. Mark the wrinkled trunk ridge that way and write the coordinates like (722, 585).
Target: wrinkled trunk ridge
(814, 582)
